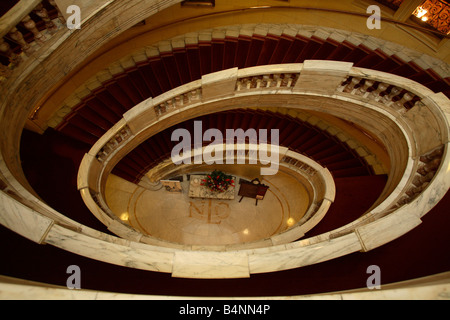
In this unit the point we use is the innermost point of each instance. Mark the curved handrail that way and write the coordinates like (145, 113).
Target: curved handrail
(396, 218)
(319, 179)
(42, 227)
(361, 231)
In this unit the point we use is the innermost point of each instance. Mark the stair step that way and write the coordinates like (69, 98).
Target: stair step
(99, 108)
(85, 125)
(349, 172)
(329, 152)
(345, 164)
(231, 44)
(326, 144)
(330, 156)
(181, 59)
(77, 134)
(310, 49)
(94, 117)
(283, 46)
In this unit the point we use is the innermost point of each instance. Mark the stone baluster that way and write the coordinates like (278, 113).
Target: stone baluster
(420, 180)
(178, 101)
(247, 83)
(351, 86)
(254, 82)
(118, 138)
(169, 105)
(414, 191)
(284, 80)
(430, 166)
(278, 80)
(271, 82)
(31, 25)
(5, 48)
(295, 77)
(377, 94)
(17, 36)
(163, 108)
(290, 80)
(42, 13)
(363, 89)
(186, 98)
(345, 83)
(384, 95)
(404, 200)
(389, 96)
(405, 99)
(60, 16)
(258, 83)
(242, 84)
(121, 136)
(265, 81)
(5, 72)
(159, 109)
(197, 94)
(238, 85)
(373, 87)
(438, 153)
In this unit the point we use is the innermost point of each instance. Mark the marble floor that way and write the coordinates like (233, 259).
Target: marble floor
(176, 217)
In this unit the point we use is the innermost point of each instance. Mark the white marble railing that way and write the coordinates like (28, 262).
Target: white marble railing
(269, 81)
(319, 179)
(416, 136)
(403, 188)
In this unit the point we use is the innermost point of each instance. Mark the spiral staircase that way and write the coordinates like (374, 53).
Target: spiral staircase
(82, 106)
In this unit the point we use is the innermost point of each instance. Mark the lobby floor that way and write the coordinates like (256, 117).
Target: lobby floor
(178, 218)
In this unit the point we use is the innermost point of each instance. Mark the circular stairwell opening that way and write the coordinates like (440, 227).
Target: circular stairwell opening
(178, 217)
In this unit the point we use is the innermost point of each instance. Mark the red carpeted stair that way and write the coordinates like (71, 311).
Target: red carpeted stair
(182, 65)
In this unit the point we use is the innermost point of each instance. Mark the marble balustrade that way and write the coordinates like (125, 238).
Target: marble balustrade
(352, 234)
(319, 180)
(9, 33)
(24, 213)
(257, 71)
(416, 155)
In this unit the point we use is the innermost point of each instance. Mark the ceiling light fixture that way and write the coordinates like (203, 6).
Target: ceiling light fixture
(420, 13)
(435, 14)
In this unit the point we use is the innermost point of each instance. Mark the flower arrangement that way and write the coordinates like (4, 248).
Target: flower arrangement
(218, 181)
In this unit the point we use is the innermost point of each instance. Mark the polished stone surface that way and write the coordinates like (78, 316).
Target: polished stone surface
(178, 218)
